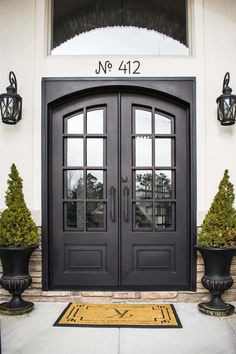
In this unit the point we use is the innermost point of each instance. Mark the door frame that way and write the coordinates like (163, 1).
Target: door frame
(55, 91)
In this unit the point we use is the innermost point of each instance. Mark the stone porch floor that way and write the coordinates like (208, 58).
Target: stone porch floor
(34, 334)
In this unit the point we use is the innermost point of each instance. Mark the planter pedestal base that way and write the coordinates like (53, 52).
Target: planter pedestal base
(227, 310)
(16, 278)
(217, 280)
(6, 308)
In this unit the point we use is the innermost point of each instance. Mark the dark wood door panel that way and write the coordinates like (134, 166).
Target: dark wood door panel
(155, 231)
(83, 171)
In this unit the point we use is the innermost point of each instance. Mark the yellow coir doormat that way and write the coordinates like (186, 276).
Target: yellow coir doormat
(119, 315)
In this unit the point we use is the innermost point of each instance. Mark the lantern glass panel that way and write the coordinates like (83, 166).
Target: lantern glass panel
(10, 109)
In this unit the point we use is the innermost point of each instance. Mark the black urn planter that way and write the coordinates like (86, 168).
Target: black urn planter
(16, 278)
(217, 279)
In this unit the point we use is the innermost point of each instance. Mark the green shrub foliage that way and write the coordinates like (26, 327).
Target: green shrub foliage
(219, 226)
(17, 227)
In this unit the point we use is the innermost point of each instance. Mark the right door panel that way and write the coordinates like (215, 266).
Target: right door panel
(154, 193)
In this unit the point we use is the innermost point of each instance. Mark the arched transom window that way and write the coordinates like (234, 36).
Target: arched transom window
(119, 27)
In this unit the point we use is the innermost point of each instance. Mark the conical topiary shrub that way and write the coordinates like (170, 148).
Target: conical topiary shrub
(18, 239)
(17, 227)
(219, 226)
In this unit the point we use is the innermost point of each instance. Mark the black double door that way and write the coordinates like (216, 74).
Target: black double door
(119, 193)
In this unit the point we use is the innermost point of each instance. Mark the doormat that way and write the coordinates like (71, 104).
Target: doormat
(119, 315)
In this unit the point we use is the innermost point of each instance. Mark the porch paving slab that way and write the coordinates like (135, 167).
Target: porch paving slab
(34, 334)
(201, 334)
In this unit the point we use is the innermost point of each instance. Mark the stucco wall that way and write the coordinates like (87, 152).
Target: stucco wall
(23, 48)
(17, 41)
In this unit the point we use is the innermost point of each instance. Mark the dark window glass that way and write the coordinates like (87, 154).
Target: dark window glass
(143, 184)
(164, 215)
(74, 184)
(74, 215)
(164, 185)
(95, 215)
(143, 215)
(95, 184)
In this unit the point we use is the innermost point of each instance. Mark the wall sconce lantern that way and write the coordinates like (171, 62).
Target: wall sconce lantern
(226, 104)
(11, 102)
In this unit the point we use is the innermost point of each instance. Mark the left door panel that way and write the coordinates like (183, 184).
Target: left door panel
(84, 189)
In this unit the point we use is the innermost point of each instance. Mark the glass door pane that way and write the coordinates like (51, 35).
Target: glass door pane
(85, 147)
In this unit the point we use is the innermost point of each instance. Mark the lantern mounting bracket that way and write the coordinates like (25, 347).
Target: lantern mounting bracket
(12, 80)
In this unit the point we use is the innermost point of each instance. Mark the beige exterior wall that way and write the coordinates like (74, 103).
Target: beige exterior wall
(23, 48)
(24, 28)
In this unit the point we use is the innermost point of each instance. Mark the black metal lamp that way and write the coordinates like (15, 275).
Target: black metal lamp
(226, 109)
(11, 102)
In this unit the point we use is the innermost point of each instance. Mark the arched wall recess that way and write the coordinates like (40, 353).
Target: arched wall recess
(92, 201)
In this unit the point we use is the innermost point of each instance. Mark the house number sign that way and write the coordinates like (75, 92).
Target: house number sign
(126, 67)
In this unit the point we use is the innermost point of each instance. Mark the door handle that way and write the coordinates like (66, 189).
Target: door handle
(126, 205)
(113, 203)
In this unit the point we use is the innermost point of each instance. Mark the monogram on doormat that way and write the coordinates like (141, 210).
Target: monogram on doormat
(119, 315)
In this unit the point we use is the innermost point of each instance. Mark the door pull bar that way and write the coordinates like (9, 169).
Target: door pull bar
(113, 203)
(126, 201)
